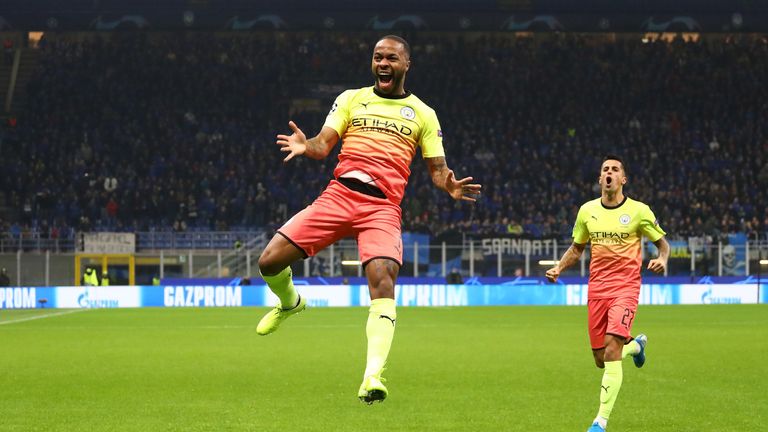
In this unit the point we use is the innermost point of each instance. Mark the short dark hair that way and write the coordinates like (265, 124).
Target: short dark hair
(611, 156)
(396, 38)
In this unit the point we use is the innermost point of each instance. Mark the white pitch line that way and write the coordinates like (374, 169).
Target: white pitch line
(42, 316)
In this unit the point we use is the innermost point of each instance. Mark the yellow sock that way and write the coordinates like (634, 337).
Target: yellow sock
(282, 285)
(630, 349)
(380, 331)
(612, 377)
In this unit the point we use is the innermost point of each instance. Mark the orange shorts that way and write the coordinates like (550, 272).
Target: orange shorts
(340, 212)
(612, 316)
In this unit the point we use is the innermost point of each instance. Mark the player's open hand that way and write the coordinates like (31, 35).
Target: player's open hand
(552, 274)
(657, 265)
(295, 144)
(461, 189)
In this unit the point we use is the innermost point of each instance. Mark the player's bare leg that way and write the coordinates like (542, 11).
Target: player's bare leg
(274, 265)
(279, 254)
(380, 329)
(599, 356)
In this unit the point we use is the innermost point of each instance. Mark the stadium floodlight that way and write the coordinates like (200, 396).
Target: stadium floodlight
(350, 262)
(764, 262)
(548, 262)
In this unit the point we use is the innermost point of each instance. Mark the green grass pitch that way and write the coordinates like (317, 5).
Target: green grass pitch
(450, 369)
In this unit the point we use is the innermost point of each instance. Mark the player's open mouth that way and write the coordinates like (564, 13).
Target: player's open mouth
(608, 180)
(385, 79)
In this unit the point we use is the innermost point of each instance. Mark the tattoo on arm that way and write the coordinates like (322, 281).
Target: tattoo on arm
(315, 148)
(663, 247)
(319, 146)
(438, 170)
(571, 256)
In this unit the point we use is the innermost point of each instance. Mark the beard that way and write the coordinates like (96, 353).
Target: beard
(394, 83)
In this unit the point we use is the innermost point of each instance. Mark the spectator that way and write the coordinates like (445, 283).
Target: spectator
(7, 51)
(514, 228)
(90, 277)
(5, 280)
(454, 277)
(179, 225)
(195, 115)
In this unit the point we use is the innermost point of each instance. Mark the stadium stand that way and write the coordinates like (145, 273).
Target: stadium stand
(175, 132)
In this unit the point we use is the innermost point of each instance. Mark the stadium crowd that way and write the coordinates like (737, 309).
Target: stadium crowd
(152, 131)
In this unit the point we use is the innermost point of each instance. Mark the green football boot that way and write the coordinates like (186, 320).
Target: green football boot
(276, 316)
(372, 390)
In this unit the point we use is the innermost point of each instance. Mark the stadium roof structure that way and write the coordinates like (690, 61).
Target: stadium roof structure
(401, 6)
(451, 15)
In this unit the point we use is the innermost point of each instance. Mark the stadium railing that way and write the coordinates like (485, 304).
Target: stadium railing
(471, 259)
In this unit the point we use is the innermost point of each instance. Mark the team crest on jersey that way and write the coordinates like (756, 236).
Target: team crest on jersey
(408, 113)
(624, 219)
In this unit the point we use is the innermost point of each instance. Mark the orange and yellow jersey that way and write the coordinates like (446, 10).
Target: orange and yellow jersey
(380, 135)
(615, 234)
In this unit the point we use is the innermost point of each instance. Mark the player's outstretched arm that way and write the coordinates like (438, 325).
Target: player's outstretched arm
(297, 143)
(569, 258)
(444, 179)
(659, 265)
